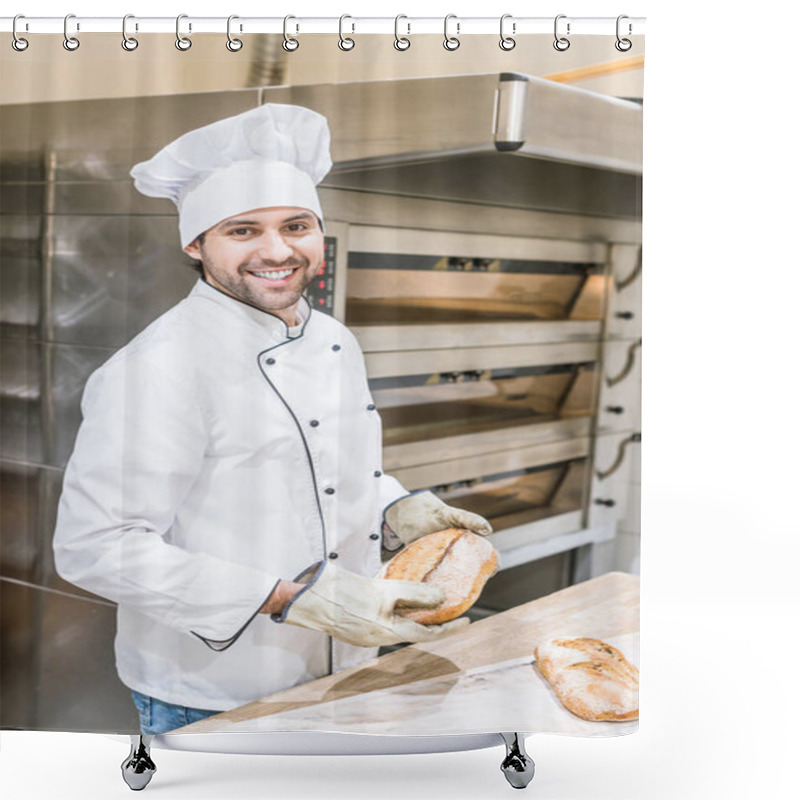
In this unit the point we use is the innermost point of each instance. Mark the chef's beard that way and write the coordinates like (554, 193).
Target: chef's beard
(266, 298)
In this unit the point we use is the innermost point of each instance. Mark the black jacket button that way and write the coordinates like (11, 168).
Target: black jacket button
(371, 407)
(330, 490)
(270, 361)
(374, 536)
(333, 555)
(336, 347)
(314, 423)
(377, 473)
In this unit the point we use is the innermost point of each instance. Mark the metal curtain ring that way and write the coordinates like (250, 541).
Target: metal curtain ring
(234, 45)
(290, 44)
(400, 42)
(70, 42)
(18, 43)
(506, 42)
(182, 42)
(623, 45)
(451, 42)
(561, 43)
(128, 42)
(345, 42)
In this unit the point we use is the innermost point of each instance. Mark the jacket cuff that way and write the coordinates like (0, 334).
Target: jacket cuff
(309, 576)
(223, 644)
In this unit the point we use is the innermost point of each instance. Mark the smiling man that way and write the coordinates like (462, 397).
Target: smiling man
(266, 257)
(226, 479)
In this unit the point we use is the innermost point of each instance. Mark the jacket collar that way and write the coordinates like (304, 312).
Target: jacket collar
(265, 320)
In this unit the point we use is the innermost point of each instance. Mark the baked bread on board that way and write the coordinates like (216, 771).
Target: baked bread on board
(591, 678)
(456, 560)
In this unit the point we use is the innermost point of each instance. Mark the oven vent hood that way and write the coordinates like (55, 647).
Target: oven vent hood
(504, 139)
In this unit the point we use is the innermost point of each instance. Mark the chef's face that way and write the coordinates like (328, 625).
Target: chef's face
(265, 257)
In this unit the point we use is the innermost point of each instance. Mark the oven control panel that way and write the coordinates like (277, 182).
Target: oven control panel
(320, 290)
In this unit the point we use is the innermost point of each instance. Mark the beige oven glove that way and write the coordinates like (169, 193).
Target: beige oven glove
(422, 513)
(360, 610)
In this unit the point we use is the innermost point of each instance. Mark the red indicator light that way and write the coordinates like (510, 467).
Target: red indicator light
(322, 301)
(322, 284)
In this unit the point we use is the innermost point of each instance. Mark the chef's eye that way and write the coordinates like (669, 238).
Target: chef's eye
(241, 231)
(298, 226)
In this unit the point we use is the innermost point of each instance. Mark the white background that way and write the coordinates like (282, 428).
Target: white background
(720, 604)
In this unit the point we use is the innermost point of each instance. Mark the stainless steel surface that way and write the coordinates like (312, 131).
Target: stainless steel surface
(57, 663)
(100, 140)
(424, 362)
(413, 241)
(625, 297)
(454, 115)
(370, 209)
(452, 471)
(609, 495)
(377, 338)
(561, 534)
(619, 402)
(472, 442)
(40, 398)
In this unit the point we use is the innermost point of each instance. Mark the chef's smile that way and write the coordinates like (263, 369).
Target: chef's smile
(265, 257)
(274, 277)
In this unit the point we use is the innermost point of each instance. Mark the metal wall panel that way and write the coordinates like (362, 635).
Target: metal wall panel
(57, 664)
(29, 496)
(40, 401)
(20, 274)
(112, 276)
(102, 139)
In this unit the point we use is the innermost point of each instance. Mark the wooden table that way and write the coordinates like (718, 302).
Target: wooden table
(604, 607)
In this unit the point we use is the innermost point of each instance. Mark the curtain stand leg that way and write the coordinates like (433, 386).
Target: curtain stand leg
(138, 768)
(517, 766)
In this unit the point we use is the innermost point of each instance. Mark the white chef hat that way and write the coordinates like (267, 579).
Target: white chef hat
(272, 155)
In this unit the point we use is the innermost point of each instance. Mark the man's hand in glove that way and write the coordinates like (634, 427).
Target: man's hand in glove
(417, 515)
(361, 610)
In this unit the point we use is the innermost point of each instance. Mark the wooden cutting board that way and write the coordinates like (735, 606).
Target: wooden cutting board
(606, 607)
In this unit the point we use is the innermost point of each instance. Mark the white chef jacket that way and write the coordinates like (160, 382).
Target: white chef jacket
(218, 455)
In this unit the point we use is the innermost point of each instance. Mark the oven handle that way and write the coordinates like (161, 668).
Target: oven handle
(628, 365)
(603, 474)
(627, 281)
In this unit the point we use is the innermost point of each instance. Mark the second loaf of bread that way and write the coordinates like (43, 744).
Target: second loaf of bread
(457, 561)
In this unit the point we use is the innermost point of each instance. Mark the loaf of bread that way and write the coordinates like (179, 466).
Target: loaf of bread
(458, 561)
(591, 678)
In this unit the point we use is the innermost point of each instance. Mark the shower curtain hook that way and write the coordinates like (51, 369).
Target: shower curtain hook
(507, 42)
(129, 43)
(451, 42)
(290, 44)
(71, 43)
(623, 45)
(345, 42)
(234, 45)
(561, 43)
(18, 43)
(182, 42)
(400, 42)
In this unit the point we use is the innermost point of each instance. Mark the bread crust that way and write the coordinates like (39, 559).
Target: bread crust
(456, 560)
(591, 678)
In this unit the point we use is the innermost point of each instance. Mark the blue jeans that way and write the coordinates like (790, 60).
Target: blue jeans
(156, 716)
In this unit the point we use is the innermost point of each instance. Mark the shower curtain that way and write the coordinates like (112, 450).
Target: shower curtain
(275, 316)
